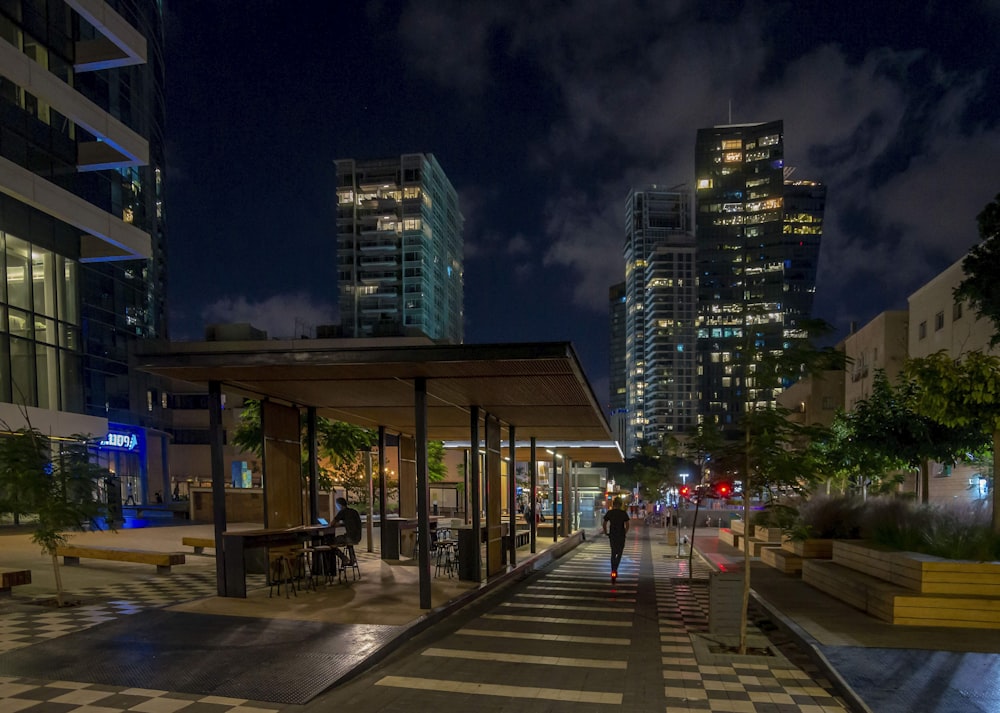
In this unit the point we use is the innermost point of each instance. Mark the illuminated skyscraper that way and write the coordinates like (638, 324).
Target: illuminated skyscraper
(758, 238)
(399, 249)
(660, 313)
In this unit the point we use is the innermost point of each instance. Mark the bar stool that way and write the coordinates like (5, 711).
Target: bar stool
(351, 564)
(304, 565)
(281, 573)
(323, 564)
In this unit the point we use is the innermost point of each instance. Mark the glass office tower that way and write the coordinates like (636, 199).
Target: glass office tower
(82, 240)
(758, 238)
(399, 249)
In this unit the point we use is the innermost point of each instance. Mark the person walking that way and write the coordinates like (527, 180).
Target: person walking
(618, 521)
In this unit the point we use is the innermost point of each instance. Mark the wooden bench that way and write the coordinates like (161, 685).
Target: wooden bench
(768, 534)
(522, 538)
(781, 560)
(815, 548)
(13, 578)
(198, 543)
(71, 555)
(729, 537)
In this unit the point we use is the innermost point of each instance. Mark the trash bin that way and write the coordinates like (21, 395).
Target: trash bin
(725, 599)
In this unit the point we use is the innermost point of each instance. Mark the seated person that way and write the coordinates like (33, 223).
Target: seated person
(351, 519)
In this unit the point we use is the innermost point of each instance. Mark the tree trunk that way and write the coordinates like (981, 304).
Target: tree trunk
(746, 548)
(996, 511)
(60, 599)
(925, 480)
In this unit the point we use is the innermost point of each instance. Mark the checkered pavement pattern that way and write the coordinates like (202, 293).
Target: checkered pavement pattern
(737, 686)
(25, 695)
(23, 624)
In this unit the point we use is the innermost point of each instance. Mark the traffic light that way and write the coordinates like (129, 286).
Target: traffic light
(685, 491)
(723, 490)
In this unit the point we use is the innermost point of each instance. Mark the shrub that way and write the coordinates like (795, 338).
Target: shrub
(828, 517)
(775, 515)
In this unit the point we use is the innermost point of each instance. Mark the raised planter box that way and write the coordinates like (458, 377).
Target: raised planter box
(899, 605)
(768, 534)
(809, 549)
(739, 527)
(920, 573)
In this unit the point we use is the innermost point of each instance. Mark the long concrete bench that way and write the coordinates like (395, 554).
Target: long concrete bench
(198, 543)
(72, 554)
(10, 578)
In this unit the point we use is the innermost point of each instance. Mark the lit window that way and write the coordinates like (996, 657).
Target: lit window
(704, 183)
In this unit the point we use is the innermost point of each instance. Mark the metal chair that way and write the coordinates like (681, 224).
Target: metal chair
(351, 564)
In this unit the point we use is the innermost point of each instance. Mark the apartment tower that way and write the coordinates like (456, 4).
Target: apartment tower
(660, 314)
(399, 249)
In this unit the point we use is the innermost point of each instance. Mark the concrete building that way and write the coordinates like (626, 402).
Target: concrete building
(937, 322)
(399, 249)
(758, 238)
(82, 237)
(660, 312)
(880, 344)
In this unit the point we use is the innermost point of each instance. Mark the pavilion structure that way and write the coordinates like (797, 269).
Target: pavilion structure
(502, 400)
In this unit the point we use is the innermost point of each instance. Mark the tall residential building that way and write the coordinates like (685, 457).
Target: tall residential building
(399, 249)
(758, 238)
(82, 240)
(660, 314)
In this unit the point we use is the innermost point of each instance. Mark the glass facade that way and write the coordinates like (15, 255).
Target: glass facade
(758, 249)
(399, 249)
(73, 300)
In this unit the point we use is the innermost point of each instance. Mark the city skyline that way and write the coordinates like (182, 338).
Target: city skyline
(542, 123)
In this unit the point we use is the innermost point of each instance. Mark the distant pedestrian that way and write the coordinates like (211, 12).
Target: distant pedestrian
(618, 521)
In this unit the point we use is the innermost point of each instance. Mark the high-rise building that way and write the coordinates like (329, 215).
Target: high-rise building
(82, 240)
(617, 383)
(758, 237)
(660, 314)
(399, 249)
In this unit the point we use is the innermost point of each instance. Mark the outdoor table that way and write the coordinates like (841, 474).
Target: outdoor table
(237, 544)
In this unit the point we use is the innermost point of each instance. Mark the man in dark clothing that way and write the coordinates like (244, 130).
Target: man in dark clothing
(351, 520)
(618, 521)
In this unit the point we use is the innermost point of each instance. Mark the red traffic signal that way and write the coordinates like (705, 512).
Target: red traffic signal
(685, 491)
(723, 490)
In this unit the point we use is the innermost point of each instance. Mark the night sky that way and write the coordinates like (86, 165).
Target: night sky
(543, 114)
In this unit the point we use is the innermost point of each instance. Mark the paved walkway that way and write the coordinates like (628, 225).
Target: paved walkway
(164, 644)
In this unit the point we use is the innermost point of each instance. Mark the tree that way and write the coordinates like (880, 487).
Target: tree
(981, 286)
(963, 393)
(62, 491)
(66, 498)
(22, 456)
(888, 422)
(842, 458)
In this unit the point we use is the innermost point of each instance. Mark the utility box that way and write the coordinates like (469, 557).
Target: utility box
(725, 598)
(671, 535)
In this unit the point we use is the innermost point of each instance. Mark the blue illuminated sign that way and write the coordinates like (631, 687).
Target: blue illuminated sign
(122, 438)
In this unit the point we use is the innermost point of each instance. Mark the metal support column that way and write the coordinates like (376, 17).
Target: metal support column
(533, 474)
(475, 497)
(512, 496)
(218, 481)
(423, 512)
(382, 491)
(555, 496)
(313, 455)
